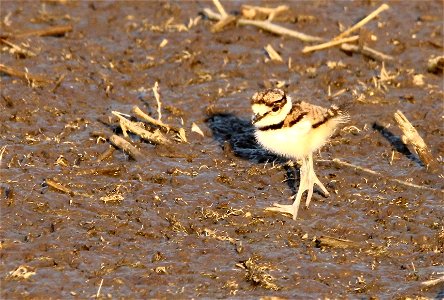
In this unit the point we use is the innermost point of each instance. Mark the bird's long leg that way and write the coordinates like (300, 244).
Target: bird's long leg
(313, 179)
(308, 179)
(303, 186)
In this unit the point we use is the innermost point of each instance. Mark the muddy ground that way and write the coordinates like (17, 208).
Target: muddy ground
(188, 220)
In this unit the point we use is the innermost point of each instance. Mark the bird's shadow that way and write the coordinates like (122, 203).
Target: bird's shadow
(397, 143)
(236, 135)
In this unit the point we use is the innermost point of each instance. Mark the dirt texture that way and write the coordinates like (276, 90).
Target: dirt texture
(80, 218)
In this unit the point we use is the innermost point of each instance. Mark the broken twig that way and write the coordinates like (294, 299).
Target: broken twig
(107, 153)
(220, 8)
(50, 31)
(412, 137)
(195, 128)
(329, 44)
(256, 12)
(59, 187)
(272, 53)
(23, 75)
(280, 30)
(223, 23)
(367, 51)
(267, 26)
(124, 145)
(225, 18)
(108, 170)
(363, 21)
(159, 104)
(2, 151)
(371, 172)
(140, 114)
(432, 282)
(17, 49)
(155, 137)
(328, 241)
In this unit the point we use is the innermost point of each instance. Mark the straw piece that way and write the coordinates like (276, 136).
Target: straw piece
(363, 21)
(329, 44)
(412, 137)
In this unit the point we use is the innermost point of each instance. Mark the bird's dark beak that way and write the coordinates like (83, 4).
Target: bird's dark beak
(255, 118)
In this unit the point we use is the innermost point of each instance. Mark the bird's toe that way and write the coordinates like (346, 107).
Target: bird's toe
(283, 208)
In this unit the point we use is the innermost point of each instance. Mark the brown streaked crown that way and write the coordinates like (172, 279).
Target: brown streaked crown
(268, 97)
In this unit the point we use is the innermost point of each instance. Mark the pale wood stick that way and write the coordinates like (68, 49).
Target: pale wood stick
(433, 281)
(18, 49)
(223, 23)
(265, 10)
(2, 150)
(157, 96)
(107, 153)
(212, 15)
(272, 53)
(329, 44)
(267, 26)
(411, 136)
(109, 170)
(276, 11)
(124, 145)
(98, 290)
(363, 21)
(180, 131)
(277, 29)
(59, 187)
(24, 75)
(250, 12)
(140, 114)
(367, 51)
(50, 31)
(371, 172)
(328, 241)
(58, 82)
(225, 18)
(220, 8)
(155, 137)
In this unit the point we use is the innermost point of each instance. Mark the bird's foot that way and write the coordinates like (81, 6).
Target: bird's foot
(319, 184)
(308, 185)
(285, 208)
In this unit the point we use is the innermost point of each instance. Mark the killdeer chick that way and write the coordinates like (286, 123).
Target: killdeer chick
(294, 130)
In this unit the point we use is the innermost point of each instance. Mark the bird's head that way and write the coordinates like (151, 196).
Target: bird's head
(270, 107)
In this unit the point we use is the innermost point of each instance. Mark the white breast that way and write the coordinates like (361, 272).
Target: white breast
(295, 142)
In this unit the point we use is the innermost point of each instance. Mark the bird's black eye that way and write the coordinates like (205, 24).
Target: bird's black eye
(275, 108)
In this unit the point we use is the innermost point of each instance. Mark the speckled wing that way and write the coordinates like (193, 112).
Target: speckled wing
(298, 116)
(316, 115)
(298, 112)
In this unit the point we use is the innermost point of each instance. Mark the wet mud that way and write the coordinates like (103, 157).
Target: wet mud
(81, 218)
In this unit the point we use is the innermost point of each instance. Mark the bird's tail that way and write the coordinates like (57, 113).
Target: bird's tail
(339, 113)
